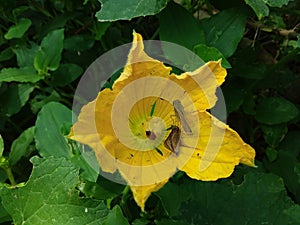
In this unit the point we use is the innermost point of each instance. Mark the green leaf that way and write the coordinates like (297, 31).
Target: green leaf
(141, 221)
(100, 29)
(4, 216)
(15, 97)
(25, 74)
(65, 74)
(6, 54)
(113, 10)
(178, 26)
(48, 137)
(19, 29)
(273, 135)
(249, 104)
(50, 140)
(1, 145)
(271, 154)
(260, 8)
(21, 147)
(88, 163)
(291, 143)
(116, 217)
(293, 213)
(225, 30)
(49, 54)
(277, 3)
(40, 100)
(234, 96)
(285, 166)
(50, 197)
(211, 54)
(275, 110)
(102, 190)
(171, 221)
(256, 200)
(79, 42)
(171, 204)
(25, 56)
(249, 70)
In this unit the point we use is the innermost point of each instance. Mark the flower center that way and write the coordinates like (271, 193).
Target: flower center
(149, 119)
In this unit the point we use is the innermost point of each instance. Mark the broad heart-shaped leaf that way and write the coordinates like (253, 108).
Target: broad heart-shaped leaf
(275, 110)
(50, 197)
(25, 74)
(15, 97)
(49, 54)
(48, 134)
(21, 146)
(225, 30)
(178, 26)
(18, 30)
(113, 10)
(260, 199)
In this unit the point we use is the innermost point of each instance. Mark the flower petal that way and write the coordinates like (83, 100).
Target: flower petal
(139, 64)
(142, 193)
(201, 84)
(218, 151)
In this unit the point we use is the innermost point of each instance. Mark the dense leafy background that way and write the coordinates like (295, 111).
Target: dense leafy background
(45, 46)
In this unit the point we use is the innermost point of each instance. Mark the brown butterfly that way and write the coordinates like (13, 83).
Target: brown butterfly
(172, 142)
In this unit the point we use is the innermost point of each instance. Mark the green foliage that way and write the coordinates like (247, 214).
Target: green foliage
(45, 47)
(125, 10)
(274, 110)
(169, 30)
(18, 30)
(225, 203)
(50, 197)
(225, 30)
(261, 8)
(49, 54)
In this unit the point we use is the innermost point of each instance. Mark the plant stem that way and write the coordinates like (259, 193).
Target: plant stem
(10, 176)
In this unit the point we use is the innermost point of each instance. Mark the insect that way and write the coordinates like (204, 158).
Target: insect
(179, 111)
(172, 142)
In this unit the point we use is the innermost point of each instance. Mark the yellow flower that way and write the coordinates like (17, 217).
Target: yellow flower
(153, 123)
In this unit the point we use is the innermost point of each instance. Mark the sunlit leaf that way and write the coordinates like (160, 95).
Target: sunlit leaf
(113, 10)
(49, 54)
(24, 74)
(48, 130)
(19, 29)
(52, 196)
